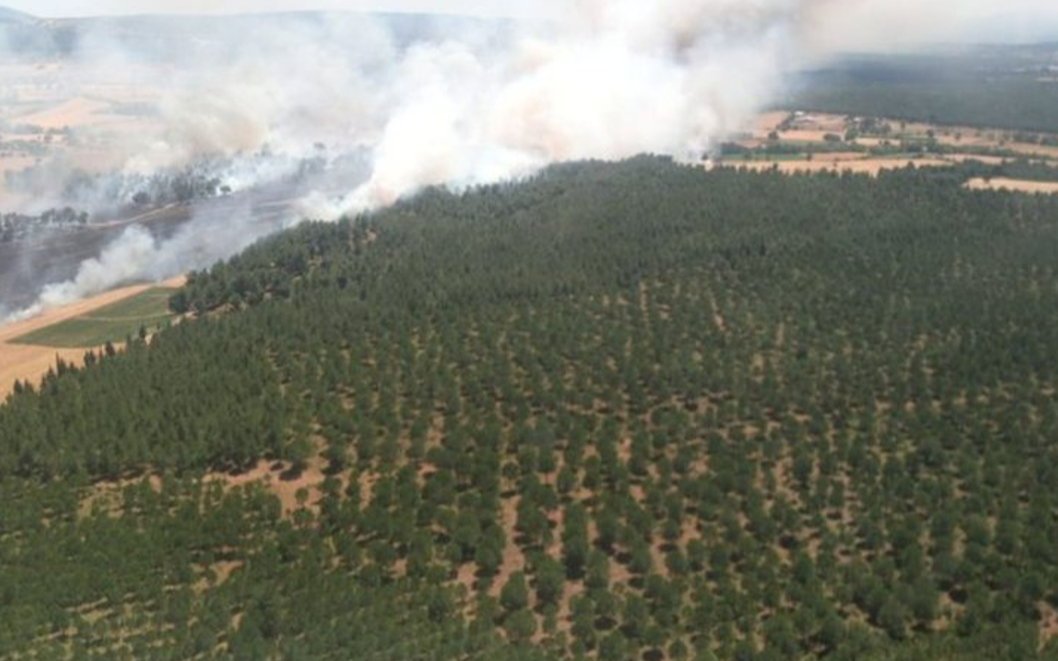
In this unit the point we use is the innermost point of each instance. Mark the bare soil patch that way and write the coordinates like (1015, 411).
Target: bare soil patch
(77, 111)
(769, 121)
(276, 478)
(1048, 623)
(294, 490)
(513, 559)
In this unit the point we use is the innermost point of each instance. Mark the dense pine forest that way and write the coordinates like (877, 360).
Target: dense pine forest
(619, 411)
(1007, 87)
(954, 103)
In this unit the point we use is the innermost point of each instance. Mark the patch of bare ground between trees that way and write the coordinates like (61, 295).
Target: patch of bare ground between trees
(513, 559)
(106, 496)
(216, 575)
(1048, 623)
(293, 489)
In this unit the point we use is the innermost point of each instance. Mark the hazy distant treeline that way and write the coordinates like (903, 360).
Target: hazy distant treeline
(205, 178)
(17, 226)
(1005, 88)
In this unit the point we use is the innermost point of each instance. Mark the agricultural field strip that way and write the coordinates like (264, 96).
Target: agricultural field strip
(812, 130)
(20, 361)
(110, 323)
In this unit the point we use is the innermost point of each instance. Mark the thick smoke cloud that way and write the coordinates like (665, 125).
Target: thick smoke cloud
(614, 79)
(453, 102)
(137, 255)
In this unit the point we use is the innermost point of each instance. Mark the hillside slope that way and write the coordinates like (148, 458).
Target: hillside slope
(619, 411)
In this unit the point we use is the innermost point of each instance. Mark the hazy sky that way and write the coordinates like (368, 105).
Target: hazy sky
(1014, 20)
(97, 7)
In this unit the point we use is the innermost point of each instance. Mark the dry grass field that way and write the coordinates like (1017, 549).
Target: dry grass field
(85, 116)
(73, 112)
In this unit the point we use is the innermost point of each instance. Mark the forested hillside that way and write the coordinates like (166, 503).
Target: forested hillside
(620, 411)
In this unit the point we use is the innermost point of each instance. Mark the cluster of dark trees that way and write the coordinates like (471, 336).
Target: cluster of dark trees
(202, 180)
(178, 189)
(158, 189)
(619, 411)
(17, 226)
(82, 189)
(958, 91)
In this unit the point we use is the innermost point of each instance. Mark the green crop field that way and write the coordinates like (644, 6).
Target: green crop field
(111, 323)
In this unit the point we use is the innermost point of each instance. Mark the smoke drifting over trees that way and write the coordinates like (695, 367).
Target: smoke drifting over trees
(433, 101)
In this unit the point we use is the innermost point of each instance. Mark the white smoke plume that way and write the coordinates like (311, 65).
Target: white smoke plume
(468, 103)
(612, 80)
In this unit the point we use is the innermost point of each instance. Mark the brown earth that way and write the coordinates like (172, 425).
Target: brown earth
(72, 112)
(769, 121)
(275, 478)
(1048, 623)
(804, 135)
